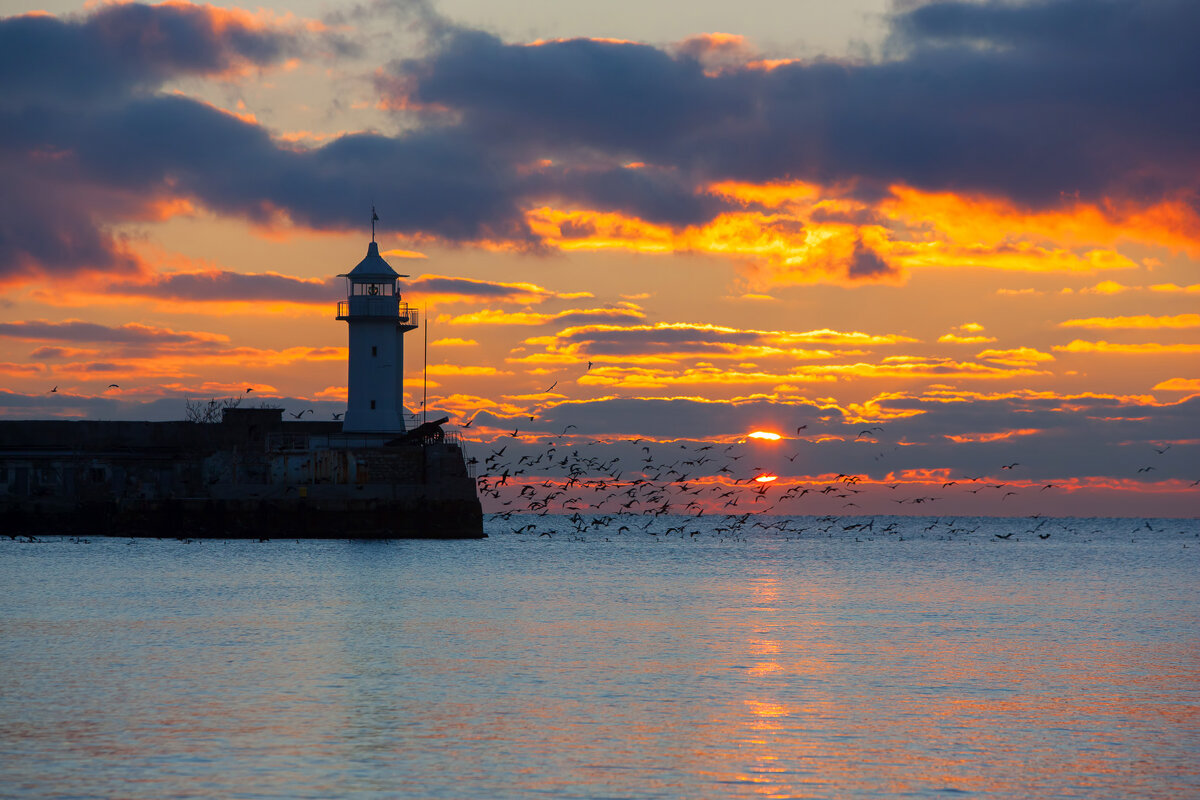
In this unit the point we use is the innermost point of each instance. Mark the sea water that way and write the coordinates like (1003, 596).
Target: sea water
(677, 658)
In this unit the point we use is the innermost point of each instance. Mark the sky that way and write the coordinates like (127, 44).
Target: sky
(921, 242)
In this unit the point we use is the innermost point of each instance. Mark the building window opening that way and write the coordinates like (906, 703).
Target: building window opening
(374, 350)
(372, 405)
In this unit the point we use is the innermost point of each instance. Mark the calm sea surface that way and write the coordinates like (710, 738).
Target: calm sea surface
(925, 659)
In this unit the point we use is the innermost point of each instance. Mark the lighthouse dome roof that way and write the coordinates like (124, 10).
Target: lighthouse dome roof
(373, 266)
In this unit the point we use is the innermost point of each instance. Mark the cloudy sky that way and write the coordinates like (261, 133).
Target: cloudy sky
(918, 240)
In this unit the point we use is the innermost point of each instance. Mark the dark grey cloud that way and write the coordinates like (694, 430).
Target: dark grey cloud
(1074, 438)
(128, 46)
(65, 80)
(652, 340)
(68, 405)
(866, 263)
(217, 285)
(473, 289)
(661, 196)
(1034, 101)
(132, 333)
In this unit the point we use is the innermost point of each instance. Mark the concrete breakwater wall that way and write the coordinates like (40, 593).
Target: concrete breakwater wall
(252, 475)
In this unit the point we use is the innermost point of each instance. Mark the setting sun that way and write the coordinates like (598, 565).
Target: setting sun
(773, 437)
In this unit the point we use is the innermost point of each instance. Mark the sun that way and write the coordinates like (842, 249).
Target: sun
(771, 437)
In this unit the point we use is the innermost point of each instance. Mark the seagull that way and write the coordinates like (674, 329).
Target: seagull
(113, 386)
(467, 424)
(338, 415)
(802, 427)
(249, 389)
(55, 389)
(551, 387)
(302, 413)
(589, 366)
(1010, 466)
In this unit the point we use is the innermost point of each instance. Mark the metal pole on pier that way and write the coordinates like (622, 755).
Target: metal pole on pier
(425, 376)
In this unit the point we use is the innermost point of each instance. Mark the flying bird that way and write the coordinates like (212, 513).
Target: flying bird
(550, 387)
(249, 389)
(55, 389)
(113, 386)
(1010, 466)
(589, 366)
(338, 415)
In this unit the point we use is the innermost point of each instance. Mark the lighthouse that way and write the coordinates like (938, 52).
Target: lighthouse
(377, 320)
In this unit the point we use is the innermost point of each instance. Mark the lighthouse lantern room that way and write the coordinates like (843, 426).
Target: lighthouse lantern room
(377, 320)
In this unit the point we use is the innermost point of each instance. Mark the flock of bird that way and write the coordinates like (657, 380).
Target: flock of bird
(671, 491)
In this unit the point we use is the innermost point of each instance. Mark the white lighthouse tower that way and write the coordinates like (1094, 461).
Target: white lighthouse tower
(377, 321)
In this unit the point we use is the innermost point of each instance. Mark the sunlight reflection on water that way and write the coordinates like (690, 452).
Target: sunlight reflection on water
(823, 665)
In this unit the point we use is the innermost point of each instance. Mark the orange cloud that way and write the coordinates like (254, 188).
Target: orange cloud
(1171, 287)
(972, 331)
(769, 195)
(670, 343)
(332, 393)
(798, 232)
(1018, 256)
(213, 388)
(496, 317)
(442, 289)
(1018, 356)
(992, 222)
(1106, 287)
(964, 438)
(899, 368)
(1179, 385)
(459, 370)
(20, 370)
(1140, 321)
(1144, 348)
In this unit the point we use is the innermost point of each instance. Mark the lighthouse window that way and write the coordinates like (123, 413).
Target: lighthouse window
(372, 405)
(374, 350)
